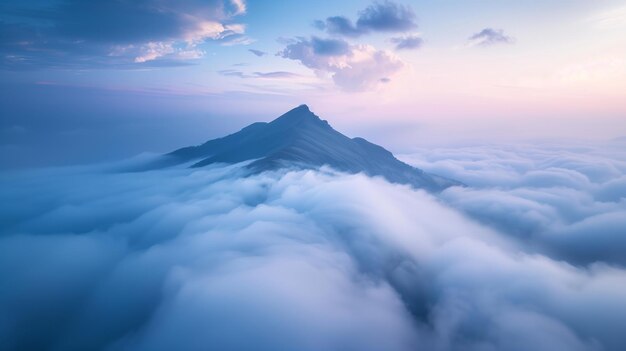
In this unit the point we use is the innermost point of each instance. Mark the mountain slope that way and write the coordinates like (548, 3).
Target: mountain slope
(301, 139)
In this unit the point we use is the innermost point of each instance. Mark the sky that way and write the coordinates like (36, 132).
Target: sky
(99, 80)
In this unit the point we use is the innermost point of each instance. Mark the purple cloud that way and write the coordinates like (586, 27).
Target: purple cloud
(384, 16)
(258, 53)
(490, 36)
(409, 42)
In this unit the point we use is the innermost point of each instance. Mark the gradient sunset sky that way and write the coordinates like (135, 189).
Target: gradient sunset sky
(103, 79)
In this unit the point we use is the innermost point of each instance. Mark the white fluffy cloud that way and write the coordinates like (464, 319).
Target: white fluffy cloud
(186, 47)
(113, 33)
(310, 260)
(352, 67)
(567, 200)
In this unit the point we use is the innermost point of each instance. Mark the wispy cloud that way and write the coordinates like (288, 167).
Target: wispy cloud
(408, 42)
(267, 75)
(275, 74)
(258, 53)
(240, 6)
(488, 37)
(614, 18)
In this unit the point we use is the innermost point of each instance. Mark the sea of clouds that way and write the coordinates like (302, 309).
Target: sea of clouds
(529, 256)
(564, 200)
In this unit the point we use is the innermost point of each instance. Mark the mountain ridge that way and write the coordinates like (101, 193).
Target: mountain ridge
(301, 139)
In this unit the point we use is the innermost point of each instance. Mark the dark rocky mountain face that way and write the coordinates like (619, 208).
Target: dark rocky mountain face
(300, 139)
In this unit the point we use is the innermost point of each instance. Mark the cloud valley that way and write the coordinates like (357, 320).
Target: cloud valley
(99, 258)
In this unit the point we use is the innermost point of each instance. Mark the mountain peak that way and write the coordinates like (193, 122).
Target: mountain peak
(296, 116)
(302, 110)
(303, 107)
(300, 139)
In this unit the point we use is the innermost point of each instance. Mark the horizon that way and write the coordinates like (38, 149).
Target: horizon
(98, 153)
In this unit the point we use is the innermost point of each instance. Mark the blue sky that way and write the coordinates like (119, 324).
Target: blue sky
(160, 74)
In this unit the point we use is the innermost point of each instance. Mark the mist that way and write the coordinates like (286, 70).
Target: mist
(525, 257)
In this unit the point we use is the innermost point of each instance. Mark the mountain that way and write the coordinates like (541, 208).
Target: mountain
(301, 139)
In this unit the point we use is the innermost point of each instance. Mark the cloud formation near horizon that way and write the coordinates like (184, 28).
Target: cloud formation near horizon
(268, 75)
(352, 67)
(105, 33)
(565, 201)
(384, 16)
(300, 260)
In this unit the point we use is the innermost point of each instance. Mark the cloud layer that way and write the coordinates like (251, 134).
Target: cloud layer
(188, 259)
(257, 53)
(568, 201)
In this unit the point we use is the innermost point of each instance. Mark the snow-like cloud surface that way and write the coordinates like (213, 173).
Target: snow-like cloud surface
(96, 258)
(566, 200)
